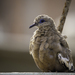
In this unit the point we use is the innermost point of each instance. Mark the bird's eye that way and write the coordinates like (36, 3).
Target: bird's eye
(42, 20)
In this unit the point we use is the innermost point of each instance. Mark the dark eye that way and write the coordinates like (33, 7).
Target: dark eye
(42, 20)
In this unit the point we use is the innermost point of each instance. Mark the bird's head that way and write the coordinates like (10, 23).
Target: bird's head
(42, 20)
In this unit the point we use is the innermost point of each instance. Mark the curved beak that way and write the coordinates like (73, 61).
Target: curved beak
(33, 25)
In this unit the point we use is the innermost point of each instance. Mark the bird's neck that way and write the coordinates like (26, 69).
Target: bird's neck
(47, 30)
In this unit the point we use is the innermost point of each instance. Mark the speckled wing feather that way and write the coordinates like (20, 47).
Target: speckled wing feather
(64, 56)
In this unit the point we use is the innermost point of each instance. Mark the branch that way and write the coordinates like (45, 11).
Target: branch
(63, 16)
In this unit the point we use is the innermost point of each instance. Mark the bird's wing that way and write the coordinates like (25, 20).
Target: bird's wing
(63, 42)
(65, 56)
(66, 62)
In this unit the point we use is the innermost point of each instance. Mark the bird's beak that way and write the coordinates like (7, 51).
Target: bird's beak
(33, 25)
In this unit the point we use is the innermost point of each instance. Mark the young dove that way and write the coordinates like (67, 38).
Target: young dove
(49, 48)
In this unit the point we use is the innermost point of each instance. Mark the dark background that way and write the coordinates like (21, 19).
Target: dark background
(15, 18)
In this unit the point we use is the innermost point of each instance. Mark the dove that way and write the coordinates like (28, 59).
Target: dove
(49, 48)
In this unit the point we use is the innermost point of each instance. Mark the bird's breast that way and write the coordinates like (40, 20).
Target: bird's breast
(43, 50)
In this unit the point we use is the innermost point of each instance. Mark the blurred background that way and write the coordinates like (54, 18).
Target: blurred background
(15, 18)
